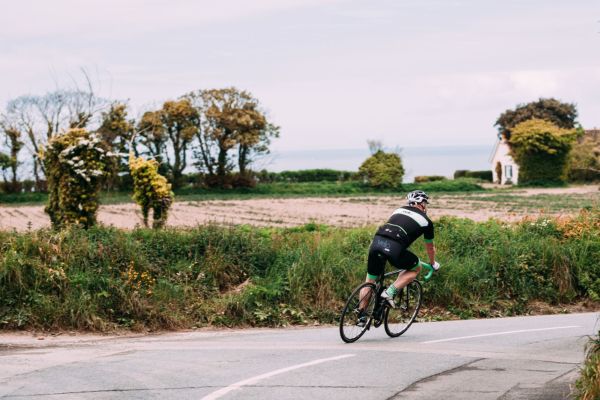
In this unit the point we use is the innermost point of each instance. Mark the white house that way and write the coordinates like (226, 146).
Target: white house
(509, 168)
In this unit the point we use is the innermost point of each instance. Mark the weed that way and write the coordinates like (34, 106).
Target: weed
(588, 384)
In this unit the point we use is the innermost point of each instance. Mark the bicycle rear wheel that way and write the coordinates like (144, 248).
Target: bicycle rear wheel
(360, 303)
(408, 302)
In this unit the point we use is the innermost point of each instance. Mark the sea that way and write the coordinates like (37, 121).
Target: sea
(434, 160)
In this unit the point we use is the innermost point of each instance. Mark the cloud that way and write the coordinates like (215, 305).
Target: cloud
(537, 82)
(27, 19)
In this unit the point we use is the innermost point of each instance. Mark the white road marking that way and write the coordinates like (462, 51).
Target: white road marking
(250, 381)
(500, 333)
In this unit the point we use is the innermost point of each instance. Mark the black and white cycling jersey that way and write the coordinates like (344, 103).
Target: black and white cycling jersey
(406, 225)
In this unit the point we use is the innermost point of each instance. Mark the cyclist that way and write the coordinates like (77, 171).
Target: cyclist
(391, 242)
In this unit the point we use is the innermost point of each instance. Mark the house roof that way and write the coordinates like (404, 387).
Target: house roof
(494, 150)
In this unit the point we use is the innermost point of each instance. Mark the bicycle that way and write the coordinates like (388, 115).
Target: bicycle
(366, 300)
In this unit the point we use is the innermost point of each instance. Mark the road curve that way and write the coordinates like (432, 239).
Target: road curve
(506, 358)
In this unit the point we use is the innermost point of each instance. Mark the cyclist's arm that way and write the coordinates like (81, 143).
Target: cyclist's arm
(430, 247)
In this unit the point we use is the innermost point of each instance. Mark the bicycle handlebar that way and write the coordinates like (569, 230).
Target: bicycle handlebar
(430, 273)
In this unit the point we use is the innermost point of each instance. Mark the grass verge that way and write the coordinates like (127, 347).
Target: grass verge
(103, 278)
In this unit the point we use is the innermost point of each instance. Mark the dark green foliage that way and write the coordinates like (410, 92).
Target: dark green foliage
(305, 175)
(461, 173)
(481, 175)
(563, 115)
(102, 278)
(23, 198)
(4, 161)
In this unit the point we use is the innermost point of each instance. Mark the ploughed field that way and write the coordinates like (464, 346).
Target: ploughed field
(506, 205)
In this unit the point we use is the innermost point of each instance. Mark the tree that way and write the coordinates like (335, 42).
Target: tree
(374, 146)
(12, 137)
(541, 149)
(180, 121)
(170, 130)
(230, 119)
(4, 165)
(150, 190)
(584, 160)
(116, 131)
(382, 170)
(75, 163)
(154, 137)
(39, 118)
(254, 138)
(563, 115)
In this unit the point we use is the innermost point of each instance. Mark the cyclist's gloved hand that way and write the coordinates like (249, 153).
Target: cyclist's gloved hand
(436, 266)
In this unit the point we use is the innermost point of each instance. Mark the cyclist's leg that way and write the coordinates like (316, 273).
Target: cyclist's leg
(410, 263)
(377, 258)
(375, 267)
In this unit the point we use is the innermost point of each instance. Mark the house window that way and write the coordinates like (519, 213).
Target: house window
(508, 171)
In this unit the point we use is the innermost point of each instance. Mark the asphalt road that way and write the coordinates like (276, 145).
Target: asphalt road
(508, 358)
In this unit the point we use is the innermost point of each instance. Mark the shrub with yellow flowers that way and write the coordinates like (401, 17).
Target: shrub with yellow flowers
(150, 190)
(76, 163)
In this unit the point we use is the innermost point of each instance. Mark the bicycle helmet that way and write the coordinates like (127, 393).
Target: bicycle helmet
(417, 197)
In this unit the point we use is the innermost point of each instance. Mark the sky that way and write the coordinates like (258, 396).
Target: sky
(331, 73)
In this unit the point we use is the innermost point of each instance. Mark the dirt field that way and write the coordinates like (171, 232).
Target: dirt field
(340, 211)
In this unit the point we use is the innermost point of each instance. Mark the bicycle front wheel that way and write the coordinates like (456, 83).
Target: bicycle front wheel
(408, 302)
(360, 304)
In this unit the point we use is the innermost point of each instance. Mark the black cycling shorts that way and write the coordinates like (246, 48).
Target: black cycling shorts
(383, 249)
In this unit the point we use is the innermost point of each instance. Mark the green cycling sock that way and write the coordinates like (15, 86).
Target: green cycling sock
(392, 290)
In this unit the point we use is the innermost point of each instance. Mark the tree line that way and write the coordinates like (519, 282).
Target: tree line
(219, 132)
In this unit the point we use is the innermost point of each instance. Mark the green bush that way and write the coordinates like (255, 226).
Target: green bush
(584, 161)
(481, 175)
(429, 178)
(306, 175)
(541, 149)
(461, 173)
(160, 279)
(382, 170)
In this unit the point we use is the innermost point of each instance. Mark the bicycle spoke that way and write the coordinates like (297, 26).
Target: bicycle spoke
(408, 302)
(359, 304)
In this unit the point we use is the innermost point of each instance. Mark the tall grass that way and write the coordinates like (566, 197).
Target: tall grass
(104, 278)
(588, 385)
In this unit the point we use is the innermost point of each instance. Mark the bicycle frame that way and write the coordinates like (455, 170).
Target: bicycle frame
(380, 305)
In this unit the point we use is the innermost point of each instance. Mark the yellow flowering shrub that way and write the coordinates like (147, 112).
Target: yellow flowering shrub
(76, 163)
(138, 281)
(150, 190)
(586, 223)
